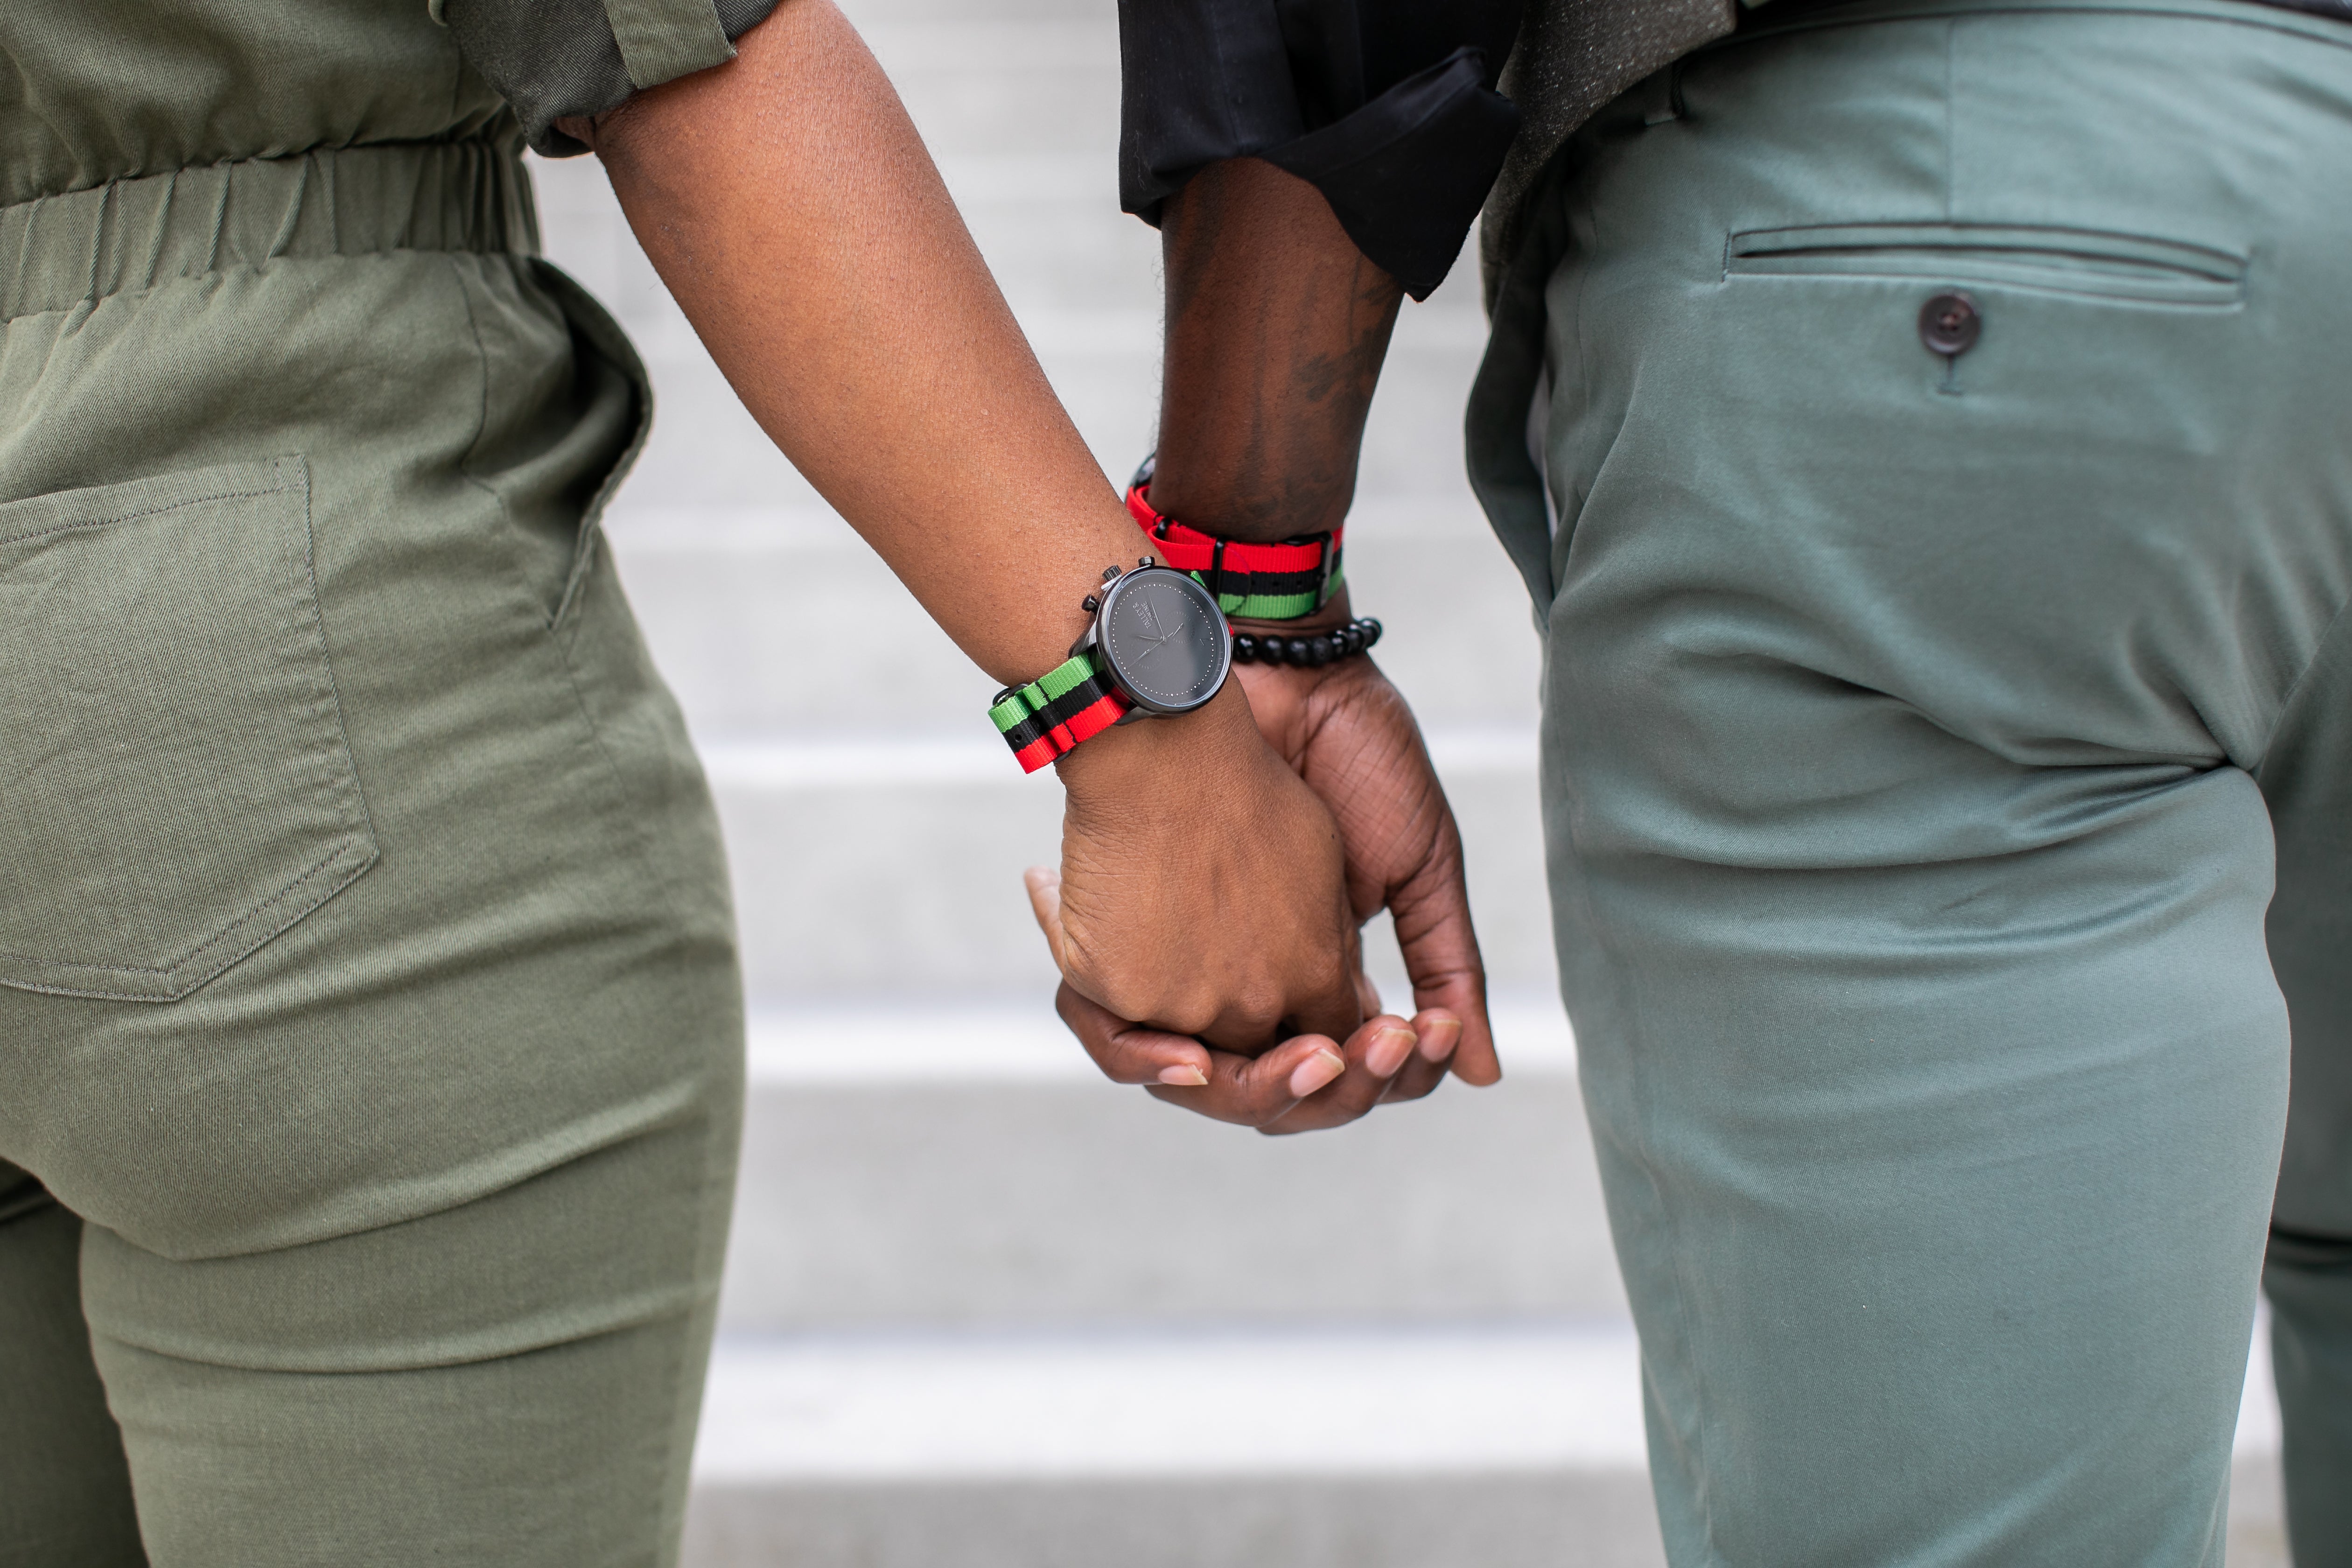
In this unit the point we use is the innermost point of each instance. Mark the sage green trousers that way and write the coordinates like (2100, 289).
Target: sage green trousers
(370, 1035)
(1948, 762)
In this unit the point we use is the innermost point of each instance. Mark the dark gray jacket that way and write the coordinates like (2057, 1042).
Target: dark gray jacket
(1572, 56)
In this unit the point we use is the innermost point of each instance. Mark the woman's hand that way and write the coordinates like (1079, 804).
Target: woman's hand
(1299, 1086)
(1201, 888)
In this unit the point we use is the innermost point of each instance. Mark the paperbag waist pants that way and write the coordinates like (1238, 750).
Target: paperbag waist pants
(368, 999)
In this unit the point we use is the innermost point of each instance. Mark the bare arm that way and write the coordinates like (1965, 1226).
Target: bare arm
(790, 206)
(1276, 327)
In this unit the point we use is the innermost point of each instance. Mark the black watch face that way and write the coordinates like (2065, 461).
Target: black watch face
(1164, 639)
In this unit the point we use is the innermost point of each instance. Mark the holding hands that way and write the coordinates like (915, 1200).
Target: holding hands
(1226, 974)
(1216, 863)
(1251, 1006)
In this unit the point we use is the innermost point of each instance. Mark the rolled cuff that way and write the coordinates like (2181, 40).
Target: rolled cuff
(555, 58)
(1405, 174)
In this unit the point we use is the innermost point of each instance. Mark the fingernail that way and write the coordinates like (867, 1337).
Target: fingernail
(1184, 1076)
(1388, 1050)
(1437, 1041)
(1315, 1071)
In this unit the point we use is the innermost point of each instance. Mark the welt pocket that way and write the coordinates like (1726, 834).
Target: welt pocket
(2052, 260)
(176, 787)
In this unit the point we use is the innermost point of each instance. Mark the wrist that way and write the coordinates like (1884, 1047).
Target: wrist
(1132, 763)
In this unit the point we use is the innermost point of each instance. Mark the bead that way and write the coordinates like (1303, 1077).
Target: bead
(1295, 651)
(1244, 649)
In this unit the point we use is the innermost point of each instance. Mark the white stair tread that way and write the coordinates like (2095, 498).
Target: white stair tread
(1419, 1402)
(968, 1407)
(648, 525)
(996, 1040)
(774, 762)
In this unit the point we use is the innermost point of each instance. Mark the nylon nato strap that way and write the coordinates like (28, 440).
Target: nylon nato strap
(1047, 718)
(1256, 581)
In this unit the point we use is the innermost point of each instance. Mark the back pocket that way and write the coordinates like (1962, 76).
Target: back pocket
(176, 788)
(2054, 260)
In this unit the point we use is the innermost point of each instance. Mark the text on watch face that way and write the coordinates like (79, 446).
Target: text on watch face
(1160, 643)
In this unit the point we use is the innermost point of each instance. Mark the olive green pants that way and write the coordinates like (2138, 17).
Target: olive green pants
(1923, 731)
(368, 1001)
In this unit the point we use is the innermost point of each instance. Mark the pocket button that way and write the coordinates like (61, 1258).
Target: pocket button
(1950, 324)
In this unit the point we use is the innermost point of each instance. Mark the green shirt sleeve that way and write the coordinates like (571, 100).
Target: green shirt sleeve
(550, 58)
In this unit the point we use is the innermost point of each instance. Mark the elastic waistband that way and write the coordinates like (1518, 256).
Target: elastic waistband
(129, 235)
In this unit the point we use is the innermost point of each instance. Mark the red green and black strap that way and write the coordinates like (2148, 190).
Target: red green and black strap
(1073, 702)
(1257, 581)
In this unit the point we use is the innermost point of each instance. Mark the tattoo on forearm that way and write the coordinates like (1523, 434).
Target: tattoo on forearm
(1276, 330)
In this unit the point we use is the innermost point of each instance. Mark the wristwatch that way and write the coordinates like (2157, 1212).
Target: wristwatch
(1157, 644)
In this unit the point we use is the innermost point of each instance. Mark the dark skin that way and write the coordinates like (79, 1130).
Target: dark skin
(889, 370)
(1276, 329)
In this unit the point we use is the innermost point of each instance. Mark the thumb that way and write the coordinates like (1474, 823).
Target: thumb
(1045, 886)
(1431, 911)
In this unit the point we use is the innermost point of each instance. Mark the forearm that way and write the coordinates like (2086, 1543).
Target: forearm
(788, 204)
(1276, 329)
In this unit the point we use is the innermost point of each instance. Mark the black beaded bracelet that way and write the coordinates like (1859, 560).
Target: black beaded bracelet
(1314, 649)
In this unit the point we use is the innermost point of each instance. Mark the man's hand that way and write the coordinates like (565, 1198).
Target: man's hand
(1352, 737)
(1201, 888)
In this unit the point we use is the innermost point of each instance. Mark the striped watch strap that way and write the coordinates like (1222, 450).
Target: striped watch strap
(1257, 581)
(1073, 702)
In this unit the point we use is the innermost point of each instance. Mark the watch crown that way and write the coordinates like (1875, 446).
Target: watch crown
(1109, 572)
(1090, 603)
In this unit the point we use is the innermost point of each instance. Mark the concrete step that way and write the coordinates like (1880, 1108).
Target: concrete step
(891, 866)
(1083, 281)
(1465, 1447)
(786, 624)
(1492, 1448)
(707, 451)
(1006, 84)
(967, 1164)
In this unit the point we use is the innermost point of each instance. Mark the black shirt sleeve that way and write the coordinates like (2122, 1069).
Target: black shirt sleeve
(1388, 107)
(550, 58)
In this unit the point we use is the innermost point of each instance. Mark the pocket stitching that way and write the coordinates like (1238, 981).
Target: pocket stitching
(236, 921)
(146, 512)
(355, 849)
(2169, 272)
